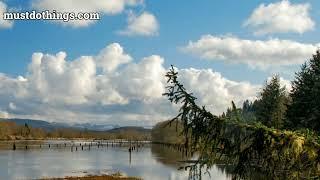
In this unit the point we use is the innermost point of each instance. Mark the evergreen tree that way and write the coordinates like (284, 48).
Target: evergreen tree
(248, 111)
(271, 107)
(234, 113)
(304, 111)
(244, 114)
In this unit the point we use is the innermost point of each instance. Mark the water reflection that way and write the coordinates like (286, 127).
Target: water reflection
(168, 156)
(177, 159)
(73, 158)
(149, 162)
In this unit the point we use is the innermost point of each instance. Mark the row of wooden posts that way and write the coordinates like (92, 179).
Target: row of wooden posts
(133, 145)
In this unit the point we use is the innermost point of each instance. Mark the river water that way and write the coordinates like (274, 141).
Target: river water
(153, 162)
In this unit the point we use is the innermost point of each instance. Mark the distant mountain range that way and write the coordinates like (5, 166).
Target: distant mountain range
(92, 127)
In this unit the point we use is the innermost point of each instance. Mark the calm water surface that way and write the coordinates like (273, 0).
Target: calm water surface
(152, 162)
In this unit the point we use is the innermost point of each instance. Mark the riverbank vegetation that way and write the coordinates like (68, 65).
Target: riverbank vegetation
(277, 134)
(12, 131)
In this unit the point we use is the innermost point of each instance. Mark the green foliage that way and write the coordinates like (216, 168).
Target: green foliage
(234, 113)
(244, 114)
(195, 120)
(279, 153)
(248, 111)
(304, 111)
(271, 106)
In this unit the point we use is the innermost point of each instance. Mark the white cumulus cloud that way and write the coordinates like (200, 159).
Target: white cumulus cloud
(255, 53)
(4, 23)
(52, 79)
(76, 91)
(145, 24)
(56, 88)
(215, 91)
(281, 17)
(111, 57)
(144, 81)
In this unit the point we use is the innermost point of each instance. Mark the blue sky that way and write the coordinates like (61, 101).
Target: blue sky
(177, 27)
(179, 22)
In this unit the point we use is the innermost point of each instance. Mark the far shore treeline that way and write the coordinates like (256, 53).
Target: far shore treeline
(12, 131)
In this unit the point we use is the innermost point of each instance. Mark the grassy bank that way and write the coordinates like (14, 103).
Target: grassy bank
(116, 176)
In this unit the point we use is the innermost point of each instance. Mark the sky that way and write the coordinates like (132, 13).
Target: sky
(111, 71)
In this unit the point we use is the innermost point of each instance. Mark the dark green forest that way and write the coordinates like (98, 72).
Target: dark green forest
(298, 109)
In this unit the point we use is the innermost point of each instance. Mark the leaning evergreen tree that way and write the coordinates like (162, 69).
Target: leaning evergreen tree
(278, 154)
(304, 111)
(271, 107)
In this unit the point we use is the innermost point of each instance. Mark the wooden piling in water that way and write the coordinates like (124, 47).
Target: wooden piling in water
(14, 146)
